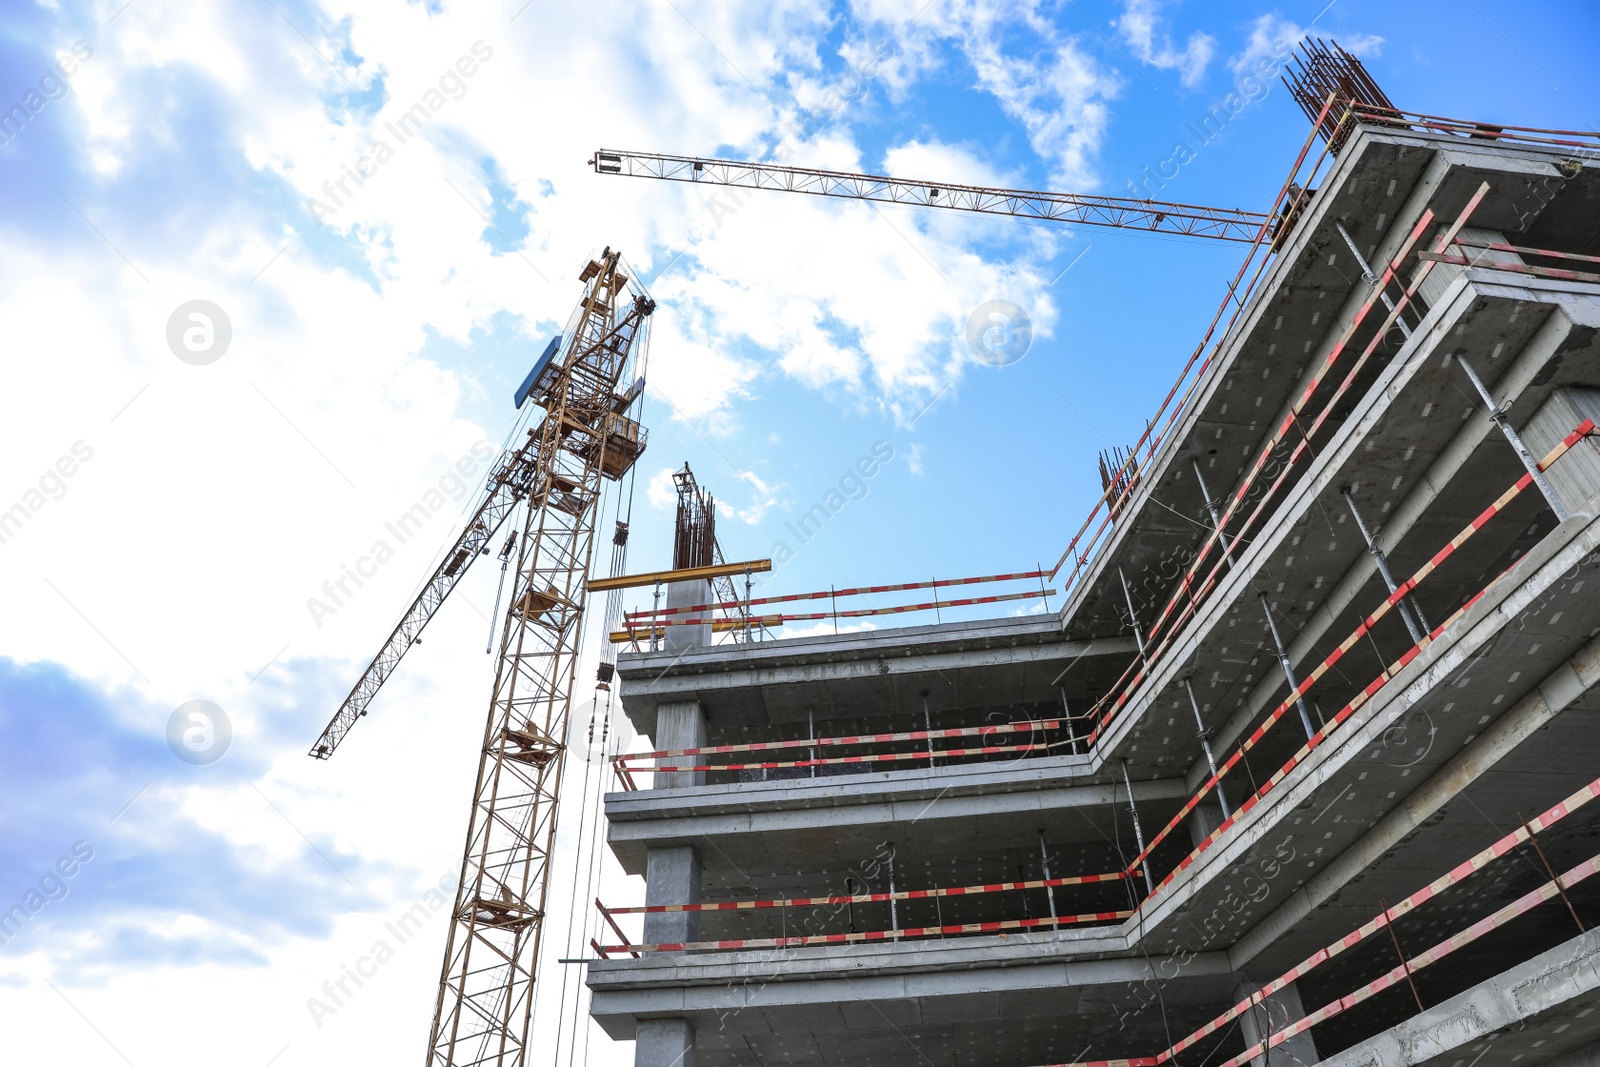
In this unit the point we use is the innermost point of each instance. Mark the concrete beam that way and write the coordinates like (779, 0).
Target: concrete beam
(776, 980)
(1338, 760)
(1559, 690)
(741, 810)
(1448, 466)
(905, 651)
(1553, 982)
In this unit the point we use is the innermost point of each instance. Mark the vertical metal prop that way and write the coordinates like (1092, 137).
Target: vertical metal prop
(1405, 964)
(1372, 279)
(1555, 879)
(747, 605)
(1138, 831)
(655, 613)
(1205, 743)
(1288, 670)
(1072, 731)
(1417, 632)
(1044, 865)
(1211, 507)
(1133, 616)
(894, 911)
(811, 725)
(1497, 414)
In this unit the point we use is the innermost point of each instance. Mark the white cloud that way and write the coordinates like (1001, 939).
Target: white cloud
(764, 498)
(913, 458)
(1053, 86)
(1143, 29)
(661, 491)
(1273, 35)
(179, 561)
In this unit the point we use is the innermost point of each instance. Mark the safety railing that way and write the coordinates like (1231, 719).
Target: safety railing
(896, 933)
(1204, 573)
(1553, 889)
(650, 624)
(1474, 130)
(1291, 201)
(1141, 861)
(1364, 695)
(1055, 734)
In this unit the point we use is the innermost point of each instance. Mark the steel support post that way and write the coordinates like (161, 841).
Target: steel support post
(1138, 831)
(747, 605)
(1288, 670)
(1497, 414)
(1072, 731)
(894, 908)
(1416, 626)
(811, 725)
(1211, 506)
(1133, 616)
(655, 617)
(1044, 865)
(1205, 743)
(1372, 279)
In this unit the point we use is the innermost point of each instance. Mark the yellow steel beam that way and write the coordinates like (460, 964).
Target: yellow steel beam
(717, 626)
(720, 570)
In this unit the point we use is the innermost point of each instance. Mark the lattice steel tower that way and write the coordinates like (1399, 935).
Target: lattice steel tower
(486, 987)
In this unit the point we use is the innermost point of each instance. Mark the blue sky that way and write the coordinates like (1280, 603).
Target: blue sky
(376, 343)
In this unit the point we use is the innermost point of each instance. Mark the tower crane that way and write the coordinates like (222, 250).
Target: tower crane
(584, 438)
(1226, 224)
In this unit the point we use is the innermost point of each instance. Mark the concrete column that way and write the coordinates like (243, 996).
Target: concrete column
(1206, 817)
(1270, 1016)
(671, 876)
(664, 1043)
(1576, 475)
(680, 725)
(687, 595)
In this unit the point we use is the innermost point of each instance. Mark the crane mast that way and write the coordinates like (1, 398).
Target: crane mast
(486, 987)
(1225, 224)
(584, 438)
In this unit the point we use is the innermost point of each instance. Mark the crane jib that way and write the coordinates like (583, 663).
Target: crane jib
(1191, 220)
(508, 483)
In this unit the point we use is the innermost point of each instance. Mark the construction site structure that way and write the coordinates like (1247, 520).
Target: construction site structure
(582, 438)
(1303, 769)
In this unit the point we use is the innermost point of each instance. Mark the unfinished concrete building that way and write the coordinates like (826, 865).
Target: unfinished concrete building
(1299, 773)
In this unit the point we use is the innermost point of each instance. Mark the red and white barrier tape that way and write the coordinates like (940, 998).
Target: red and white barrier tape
(1403, 590)
(860, 590)
(908, 933)
(1381, 921)
(872, 898)
(644, 626)
(853, 739)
